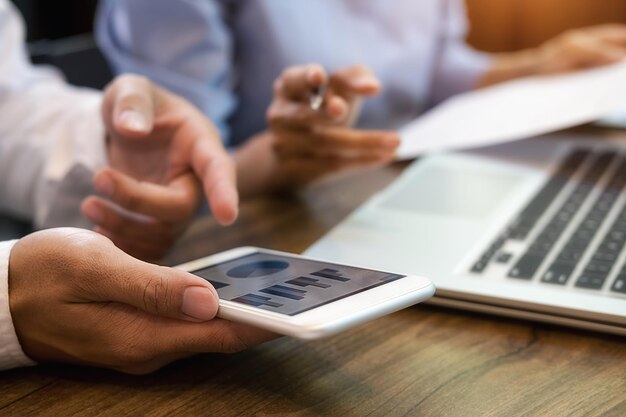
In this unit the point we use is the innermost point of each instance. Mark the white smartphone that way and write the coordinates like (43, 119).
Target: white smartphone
(302, 297)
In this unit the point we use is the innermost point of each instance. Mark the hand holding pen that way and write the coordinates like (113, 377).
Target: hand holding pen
(316, 101)
(311, 119)
(346, 93)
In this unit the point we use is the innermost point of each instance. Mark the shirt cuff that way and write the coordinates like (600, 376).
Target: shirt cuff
(11, 354)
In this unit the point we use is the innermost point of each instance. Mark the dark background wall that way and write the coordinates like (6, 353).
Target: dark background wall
(54, 19)
(59, 33)
(507, 25)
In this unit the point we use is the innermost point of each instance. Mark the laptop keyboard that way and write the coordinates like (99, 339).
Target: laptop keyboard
(548, 255)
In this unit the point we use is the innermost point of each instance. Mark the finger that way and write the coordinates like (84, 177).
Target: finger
(338, 142)
(216, 171)
(217, 335)
(601, 52)
(337, 108)
(127, 225)
(287, 114)
(613, 33)
(299, 82)
(157, 290)
(204, 152)
(587, 50)
(355, 81)
(129, 106)
(171, 203)
(352, 84)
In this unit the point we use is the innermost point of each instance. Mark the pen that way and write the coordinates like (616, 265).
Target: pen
(316, 100)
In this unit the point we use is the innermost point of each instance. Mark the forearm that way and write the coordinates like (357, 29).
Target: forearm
(572, 50)
(46, 129)
(256, 166)
(509, 66)
(48, 153)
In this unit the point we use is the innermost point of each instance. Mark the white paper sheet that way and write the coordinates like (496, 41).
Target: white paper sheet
(515, 110)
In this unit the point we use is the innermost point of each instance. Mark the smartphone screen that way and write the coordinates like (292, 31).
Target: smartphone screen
(289, 285)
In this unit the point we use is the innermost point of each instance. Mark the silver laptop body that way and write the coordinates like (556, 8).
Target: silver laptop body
(534, 229)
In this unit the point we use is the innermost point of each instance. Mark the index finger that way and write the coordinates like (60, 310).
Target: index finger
(297, 83)
(216, 171)
(613, 33)
(355, 81)
(202, 150)
(172, 202)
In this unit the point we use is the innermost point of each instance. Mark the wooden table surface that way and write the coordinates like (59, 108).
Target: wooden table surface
(420, 361)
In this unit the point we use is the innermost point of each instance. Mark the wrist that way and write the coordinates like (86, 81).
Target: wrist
(11, 353)
(509, 66)
(257, 166)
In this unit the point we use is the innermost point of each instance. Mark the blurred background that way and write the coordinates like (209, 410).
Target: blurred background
(59, 32)
(508, 25)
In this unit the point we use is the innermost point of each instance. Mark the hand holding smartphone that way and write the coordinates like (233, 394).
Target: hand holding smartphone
(302, 297)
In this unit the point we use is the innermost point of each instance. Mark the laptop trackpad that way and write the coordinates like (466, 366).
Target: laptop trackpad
(449, 191)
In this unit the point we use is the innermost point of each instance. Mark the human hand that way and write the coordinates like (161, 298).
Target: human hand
(162, 153)
(582, 48)
(309, 144)
(76, 298)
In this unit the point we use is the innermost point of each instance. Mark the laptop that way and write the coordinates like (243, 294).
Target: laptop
(534, 229)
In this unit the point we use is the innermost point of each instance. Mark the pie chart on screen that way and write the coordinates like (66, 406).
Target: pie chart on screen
(257, 269)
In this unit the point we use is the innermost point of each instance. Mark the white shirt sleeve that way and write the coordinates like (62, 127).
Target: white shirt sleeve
(11, 355)
(51, 136)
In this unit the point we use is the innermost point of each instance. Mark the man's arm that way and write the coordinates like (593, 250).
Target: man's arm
(43, 124)
(570, 51)
(51, 135)
(76, 298)
(160, 152)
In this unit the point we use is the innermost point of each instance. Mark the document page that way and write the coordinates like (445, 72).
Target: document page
(515, 110)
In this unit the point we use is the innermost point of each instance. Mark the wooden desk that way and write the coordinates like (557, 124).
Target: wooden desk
(420, 361)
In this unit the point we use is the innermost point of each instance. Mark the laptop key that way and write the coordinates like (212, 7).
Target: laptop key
(479, 266)
(558, 273)
(620, 284)
(604, 256)
(597, 267)
(591, 281)
(526, 267)
(570, 255)
(504, 257)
